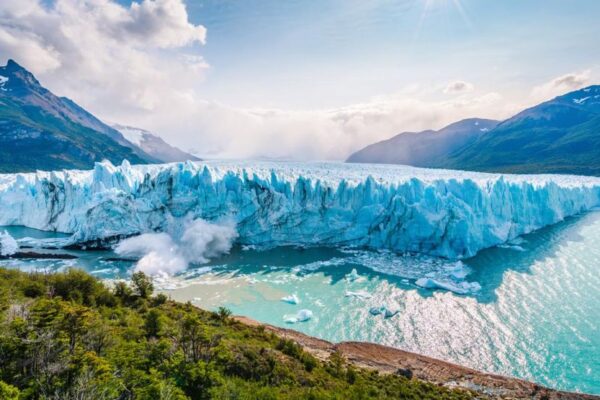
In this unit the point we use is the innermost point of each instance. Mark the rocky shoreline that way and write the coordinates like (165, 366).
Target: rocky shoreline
(389, 360)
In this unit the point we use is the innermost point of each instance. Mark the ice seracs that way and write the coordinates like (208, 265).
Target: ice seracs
(452, 214)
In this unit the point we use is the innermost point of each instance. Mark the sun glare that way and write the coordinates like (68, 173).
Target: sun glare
(430, 6)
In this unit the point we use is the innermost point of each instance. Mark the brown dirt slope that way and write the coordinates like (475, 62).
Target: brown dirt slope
(390, 360)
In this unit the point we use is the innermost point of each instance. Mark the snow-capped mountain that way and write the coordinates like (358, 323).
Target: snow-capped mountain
(39, 130)
(153, 144)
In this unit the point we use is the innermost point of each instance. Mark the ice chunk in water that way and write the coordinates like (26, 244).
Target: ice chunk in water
(291, 299)
(301, 316)
(387, 313)
(458, 288)
(353, 276)
(376, 310)
(361, 294)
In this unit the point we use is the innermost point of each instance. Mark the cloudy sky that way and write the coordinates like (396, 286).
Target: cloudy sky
(301, 79)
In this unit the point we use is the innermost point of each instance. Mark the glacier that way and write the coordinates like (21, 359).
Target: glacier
(451, 214)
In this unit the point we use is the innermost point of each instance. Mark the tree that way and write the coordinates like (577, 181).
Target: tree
(154, 322)
(142, 284)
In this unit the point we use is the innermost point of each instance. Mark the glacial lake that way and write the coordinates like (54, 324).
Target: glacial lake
(536, 316)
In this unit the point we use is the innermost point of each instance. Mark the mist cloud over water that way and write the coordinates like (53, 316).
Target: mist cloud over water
(170, 253)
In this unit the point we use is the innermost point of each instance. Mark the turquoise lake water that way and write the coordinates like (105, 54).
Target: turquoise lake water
(537, 315)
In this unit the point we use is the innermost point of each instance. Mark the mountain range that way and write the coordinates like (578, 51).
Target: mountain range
(39, 130)
(558, 136)
(426, 148)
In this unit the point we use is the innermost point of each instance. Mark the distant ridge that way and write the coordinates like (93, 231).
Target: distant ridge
(426, 148)
(558, 136)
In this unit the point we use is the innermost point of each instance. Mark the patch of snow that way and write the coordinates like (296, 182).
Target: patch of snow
(3, 80)
(133, 135)
(581, 100)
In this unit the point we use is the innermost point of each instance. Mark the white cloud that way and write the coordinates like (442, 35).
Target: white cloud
(111, 59)
(458, 87)
(561, 85)
(141, 66)
(317, 134)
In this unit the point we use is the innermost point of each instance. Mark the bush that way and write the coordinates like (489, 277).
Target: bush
(34, 289)
(8, 392)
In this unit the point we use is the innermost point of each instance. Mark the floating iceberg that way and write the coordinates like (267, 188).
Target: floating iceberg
(387, 313)
(291, 299)
(452, 214)
(376, 310)
(361, 294)
(353, 276)
(456, 287)
(301, 316)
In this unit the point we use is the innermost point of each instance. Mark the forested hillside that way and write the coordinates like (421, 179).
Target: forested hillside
(68, 336)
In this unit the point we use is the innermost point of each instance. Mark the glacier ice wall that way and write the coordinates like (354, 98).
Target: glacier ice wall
(453, 214)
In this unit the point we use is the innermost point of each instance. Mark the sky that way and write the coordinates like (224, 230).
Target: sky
(305, 80)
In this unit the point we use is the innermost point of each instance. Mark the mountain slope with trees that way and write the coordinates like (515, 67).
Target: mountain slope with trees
(41, 131)
(426, 148)
(67, 336)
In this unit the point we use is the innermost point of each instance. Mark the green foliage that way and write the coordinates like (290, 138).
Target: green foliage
(223, 313)
(67, 336)
(142, 284)
(8, 392)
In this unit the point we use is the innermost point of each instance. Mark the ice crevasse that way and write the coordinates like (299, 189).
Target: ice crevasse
(452, 214)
